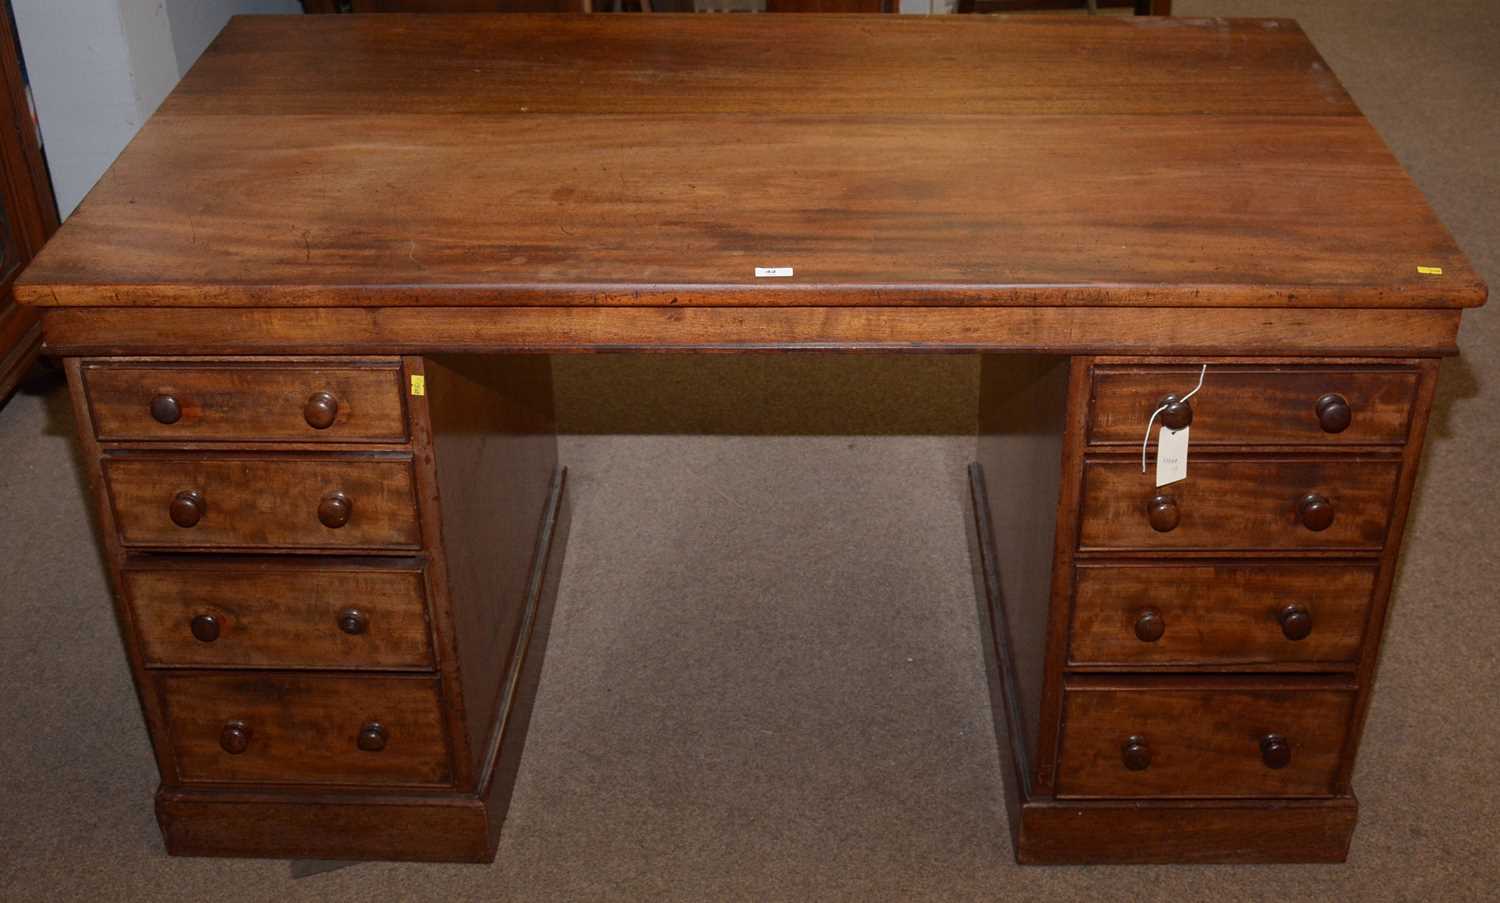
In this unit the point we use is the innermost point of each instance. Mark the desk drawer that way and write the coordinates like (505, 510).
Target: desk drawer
(291, 729)
(263, 502)
(280, 614)
(247, 402)
(1258, 405)
(1219, 614)
(1239, 504)
(1202, 742)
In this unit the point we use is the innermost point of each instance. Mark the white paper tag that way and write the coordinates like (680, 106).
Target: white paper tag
(1171, 455)
(764, 272)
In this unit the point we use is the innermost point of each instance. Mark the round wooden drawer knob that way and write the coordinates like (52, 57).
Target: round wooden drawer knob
(353, 621)
(1315, 512)
(1163, 514)
(1296, 622)
(1334, 414)
(1150, 626)
(1275, 751)
(235, 737)
(1136, 754)
(188, 507)
(165, 409)
(321, 411)
(1176, 414)
(334, 510)
(372, 737)
(205, 628)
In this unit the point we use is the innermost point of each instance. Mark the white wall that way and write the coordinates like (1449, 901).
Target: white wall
(100, 68)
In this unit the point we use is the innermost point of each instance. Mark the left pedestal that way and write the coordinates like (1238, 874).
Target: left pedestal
(333, 579)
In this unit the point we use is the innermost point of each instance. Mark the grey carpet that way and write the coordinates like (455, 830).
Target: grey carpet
(764, 679)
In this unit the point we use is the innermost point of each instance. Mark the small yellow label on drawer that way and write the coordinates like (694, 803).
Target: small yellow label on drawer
(418, 384)
(1430, 271)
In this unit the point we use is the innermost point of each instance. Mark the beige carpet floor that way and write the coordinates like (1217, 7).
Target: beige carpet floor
(764, 675)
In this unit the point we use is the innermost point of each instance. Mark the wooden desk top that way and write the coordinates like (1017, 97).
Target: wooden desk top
(330, 161)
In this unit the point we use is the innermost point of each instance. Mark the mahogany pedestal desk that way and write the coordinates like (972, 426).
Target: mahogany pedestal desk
(307, 325)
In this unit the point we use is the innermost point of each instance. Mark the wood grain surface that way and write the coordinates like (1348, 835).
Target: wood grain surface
(493, 463)
(430, 827)
(1219, 614)
(1239, 504)
(247, 402)
(727, 64)
(532, 160)
(1255, 405)
(1023, 414)
(263, 502)
(1064, 330)
(1204, 741)
(303, 729)
(1092, 832)
(280, 614)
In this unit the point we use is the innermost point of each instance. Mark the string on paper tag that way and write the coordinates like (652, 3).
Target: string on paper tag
(1146, 442)
(1171, 455)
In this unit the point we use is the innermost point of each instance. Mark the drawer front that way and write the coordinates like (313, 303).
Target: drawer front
(1258, 406)
(1201, 742)
(299, 615)
(255, 502)
(1219, 614)
(292, 729)
(246, 402)
(1243, 504)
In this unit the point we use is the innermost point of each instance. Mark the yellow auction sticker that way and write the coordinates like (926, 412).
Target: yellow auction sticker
(1430, 271)
(418, 384)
